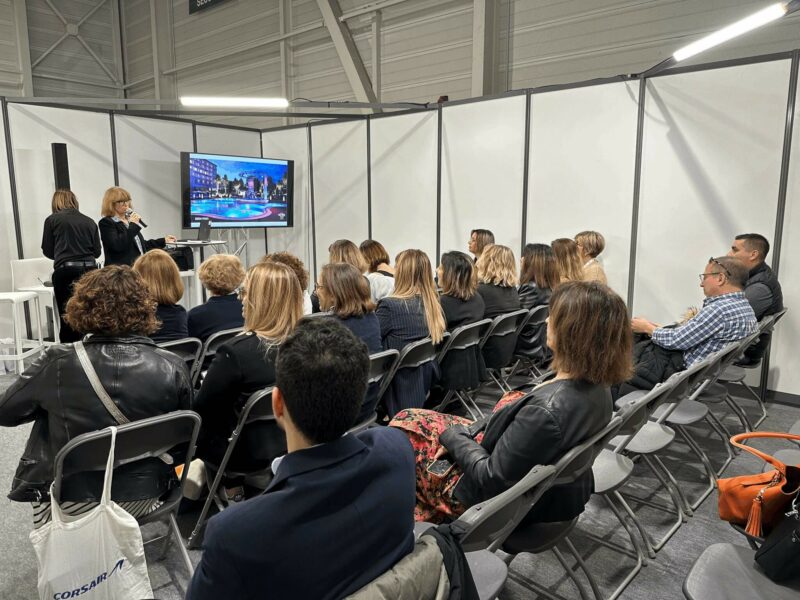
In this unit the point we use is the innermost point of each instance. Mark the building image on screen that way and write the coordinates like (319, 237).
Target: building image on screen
(234, 191)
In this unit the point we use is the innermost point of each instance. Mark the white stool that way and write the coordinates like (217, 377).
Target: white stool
(18, 299)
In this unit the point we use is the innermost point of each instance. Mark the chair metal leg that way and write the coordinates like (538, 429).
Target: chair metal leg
(648, 548)
(710, 472)
(582, 565)
(664, 470)
(724, 434)
(761, 404)
(181, 546)
(571, 574)
(676, 503)
(743, 418)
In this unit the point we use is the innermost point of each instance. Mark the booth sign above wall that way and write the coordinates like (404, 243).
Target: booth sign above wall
(196, 5)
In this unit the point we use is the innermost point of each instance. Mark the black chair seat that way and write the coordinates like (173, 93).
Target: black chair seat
(538, 537)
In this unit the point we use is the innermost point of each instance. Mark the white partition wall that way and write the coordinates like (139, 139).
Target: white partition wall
(88, 139)
(710, 169)
(482, 171)
(293, 144)
(339, 153)
(235, 142)
(581, 169)
(403, 162)
(8, 241)
(149, 159)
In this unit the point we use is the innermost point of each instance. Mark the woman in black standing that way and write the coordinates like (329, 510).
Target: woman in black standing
(121, 229)
(71, 240)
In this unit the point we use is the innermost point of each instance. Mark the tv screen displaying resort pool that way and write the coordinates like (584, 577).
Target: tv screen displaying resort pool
(236, 191)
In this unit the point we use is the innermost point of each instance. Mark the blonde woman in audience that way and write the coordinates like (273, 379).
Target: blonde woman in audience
(379, 272)
(590, 245)
(478, 240)
(273, 304)
(411, 313)
(497, 280)
(568, 259)
(221, 275)
(296, 265)
(161, 275)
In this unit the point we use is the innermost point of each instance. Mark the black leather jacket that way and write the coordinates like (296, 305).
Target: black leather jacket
(54, 393)
(532, 341)
(535, 430)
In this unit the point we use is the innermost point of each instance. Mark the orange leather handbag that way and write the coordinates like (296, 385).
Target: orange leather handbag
(759, 500)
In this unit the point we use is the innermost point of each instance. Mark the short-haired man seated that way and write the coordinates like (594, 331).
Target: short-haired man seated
(762, 288)
(726, 315)
(340, 510)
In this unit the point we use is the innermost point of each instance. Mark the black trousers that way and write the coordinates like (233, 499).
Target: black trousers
(63, 279)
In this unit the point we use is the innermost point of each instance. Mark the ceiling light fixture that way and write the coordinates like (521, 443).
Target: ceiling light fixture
(223, 102)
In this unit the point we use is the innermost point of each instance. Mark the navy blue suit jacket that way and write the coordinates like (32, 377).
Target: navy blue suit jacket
(335, 517)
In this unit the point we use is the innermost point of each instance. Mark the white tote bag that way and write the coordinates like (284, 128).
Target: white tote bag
(97, 556)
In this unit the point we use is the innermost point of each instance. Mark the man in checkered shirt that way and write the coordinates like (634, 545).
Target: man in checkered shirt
(726, 315)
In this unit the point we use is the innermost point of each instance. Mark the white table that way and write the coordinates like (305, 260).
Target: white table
(50, 294)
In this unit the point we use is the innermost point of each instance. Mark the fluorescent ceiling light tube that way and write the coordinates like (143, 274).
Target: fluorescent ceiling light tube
(221, 102)
(754, 21)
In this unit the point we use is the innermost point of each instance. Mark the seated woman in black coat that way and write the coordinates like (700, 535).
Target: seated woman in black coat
(120, 230)
(589, 333)
(273, 304)
(221, 275)
(161, 275)
(54, 393)
(462, 305)
(538, 278)
(412, 312)
(497, 280)
(344, 292)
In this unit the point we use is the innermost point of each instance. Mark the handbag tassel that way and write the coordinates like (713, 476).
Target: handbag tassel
(754, 527)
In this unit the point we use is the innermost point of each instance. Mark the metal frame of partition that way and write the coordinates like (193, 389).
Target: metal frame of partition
(794, 56)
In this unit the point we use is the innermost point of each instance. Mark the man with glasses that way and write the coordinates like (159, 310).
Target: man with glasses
(726, 315)
(762, 289)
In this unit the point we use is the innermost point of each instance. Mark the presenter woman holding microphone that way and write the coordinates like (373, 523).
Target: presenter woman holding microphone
(120, 229)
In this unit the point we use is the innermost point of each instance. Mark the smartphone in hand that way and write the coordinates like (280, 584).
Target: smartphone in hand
(440, 468)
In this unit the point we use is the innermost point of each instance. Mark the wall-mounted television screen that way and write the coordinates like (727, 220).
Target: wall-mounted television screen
(236, 191)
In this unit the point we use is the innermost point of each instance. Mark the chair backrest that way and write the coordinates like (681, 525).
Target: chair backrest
(188, 349)
(465, 337)
(381, 364)
(505, 324)
(500, 341)
(489, 523)
(27, 272)
(636, 407)
(257, 408)
(146, 438)
(412, 356)
(318, 315)
(210, 348)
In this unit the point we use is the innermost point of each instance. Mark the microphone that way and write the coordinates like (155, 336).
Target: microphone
(128, 214)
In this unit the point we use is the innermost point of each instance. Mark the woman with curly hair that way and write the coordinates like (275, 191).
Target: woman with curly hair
(114, 307)
(221, 275)
(497, 281)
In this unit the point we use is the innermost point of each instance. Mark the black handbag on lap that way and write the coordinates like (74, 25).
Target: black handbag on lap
(779, 555)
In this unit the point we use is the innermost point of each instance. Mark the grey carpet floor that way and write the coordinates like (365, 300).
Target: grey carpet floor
(660, 579)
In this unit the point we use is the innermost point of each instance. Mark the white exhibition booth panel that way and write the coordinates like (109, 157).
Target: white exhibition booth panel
(482, 171)
(292, 144)
(234, 142)
(149, 163)
(403, 157)
(710, 170)
(339, 154)
(581, 169)
(88, 137)
(8, 236)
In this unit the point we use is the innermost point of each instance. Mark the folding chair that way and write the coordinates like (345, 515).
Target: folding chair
(413, 356)
(188, 349)
(497, 523)
(499, 343)
(257, 408)
(454, 354)
(536, 324)
(210, 349)
(380, 365)
(174, 433)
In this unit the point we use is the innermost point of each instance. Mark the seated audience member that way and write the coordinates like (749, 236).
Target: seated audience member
(497, 281)
(339, 511)
(161, 275)
(344, 293)
(538, 278)
(114, 306)
(379, 273)
(589, 335)
(568, 259)
(411, 313)
(273, 303)
(478, 240)
(590, 245)
(762, 290)
(462, 305)
(296, 265)
(726, 315)
(221, 275)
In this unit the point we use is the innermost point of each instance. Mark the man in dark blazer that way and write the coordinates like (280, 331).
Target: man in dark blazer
(340, 510)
